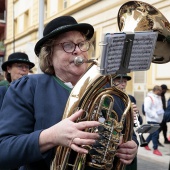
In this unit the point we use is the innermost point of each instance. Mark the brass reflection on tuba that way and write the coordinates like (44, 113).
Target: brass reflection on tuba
(89, 95)
(140, 16)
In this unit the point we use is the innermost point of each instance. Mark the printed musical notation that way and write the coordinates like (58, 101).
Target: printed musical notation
(112, 53)
(116, 48)
(142, 51)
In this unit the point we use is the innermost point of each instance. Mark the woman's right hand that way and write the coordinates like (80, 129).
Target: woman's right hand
(69, 134)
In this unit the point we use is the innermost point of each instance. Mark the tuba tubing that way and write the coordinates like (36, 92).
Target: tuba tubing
(90, 95)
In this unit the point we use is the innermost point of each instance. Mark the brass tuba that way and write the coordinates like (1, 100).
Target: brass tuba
(90, 95)
(140, 16)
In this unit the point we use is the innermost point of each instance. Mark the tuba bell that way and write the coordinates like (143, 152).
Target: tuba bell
(140, 16)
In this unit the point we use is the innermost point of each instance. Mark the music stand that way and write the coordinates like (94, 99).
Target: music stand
(148, 128)
(126, 52)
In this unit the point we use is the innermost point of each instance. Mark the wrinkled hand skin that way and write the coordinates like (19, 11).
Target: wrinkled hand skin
(127, 152)
(68, 133)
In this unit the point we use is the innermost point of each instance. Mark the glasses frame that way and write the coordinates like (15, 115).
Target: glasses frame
(78, 44)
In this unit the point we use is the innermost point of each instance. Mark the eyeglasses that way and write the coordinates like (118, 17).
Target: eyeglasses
(22, 66)
(69, 47)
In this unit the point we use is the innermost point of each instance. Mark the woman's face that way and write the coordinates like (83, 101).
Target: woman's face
(18, 70)
(63, 62)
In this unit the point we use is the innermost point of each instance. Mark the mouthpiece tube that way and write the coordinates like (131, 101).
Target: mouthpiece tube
(80, 60)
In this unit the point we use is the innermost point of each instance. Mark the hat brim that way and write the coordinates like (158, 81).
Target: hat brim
(87, 29)
(125, 77)
(5, 64)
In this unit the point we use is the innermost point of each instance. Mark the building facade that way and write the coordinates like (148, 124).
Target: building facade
(24, 28)
(2, 32)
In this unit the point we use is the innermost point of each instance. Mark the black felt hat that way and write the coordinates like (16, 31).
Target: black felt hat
(164, 86)
(17, 57)
(61, 25)
(123, 76)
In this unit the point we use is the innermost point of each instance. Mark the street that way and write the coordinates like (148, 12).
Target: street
(145, 163)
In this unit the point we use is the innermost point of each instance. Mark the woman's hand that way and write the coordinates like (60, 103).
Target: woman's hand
(127, 152)
(69, 134)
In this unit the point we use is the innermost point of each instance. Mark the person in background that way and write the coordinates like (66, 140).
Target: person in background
(168, 102)
(3, 81)
(154, 115)
(120, 81)
(166, 117)
(163, 125)
(29, 138)
(17, 65)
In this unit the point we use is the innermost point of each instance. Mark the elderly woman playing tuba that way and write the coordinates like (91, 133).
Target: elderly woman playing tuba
(31, 123)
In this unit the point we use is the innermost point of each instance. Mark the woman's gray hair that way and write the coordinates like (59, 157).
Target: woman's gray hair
(45, 57)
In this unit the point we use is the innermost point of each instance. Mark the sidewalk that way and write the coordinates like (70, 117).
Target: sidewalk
(165, 159)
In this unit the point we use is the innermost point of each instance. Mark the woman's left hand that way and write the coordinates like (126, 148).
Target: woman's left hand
(127, 152)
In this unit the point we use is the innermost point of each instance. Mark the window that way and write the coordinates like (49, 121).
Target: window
(26, 20)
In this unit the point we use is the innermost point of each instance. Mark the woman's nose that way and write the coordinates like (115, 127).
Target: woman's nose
(77, 50)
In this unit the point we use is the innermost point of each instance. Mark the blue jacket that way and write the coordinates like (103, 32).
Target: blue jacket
(166, 117)
(3, 90)
(31, 104)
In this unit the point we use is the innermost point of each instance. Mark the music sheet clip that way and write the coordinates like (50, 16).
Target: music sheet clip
(126, 52)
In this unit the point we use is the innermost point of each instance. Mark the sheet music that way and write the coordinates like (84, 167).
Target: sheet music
(114, 54)
(113, 49)
(142, 51)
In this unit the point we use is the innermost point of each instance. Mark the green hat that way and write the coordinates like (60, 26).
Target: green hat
(123, 76)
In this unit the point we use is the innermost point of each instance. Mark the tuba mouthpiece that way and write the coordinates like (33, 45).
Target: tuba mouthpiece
(80, 60)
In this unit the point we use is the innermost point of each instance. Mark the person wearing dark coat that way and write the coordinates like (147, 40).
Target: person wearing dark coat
(3, 90)
(120, 81)
(166, 117)
(17, 65)
(163, 125)
(31, 123)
